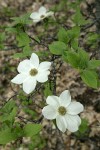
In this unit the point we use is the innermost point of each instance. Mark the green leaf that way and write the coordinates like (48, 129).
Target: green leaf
(11, 30)
(37, 141)
(24, 19)
(2, 39)
(90, 78)
(27, 51)
(23, 39)
(63, 36)
(31, 129)
(73, 59)
(64, 57)
(74, 32)
(94, 64)
(47, 91)
(8, 112)
(83, 54)
(78, 18)
(74, 5)
(83, 128)
(8, 106)
(57, 48)
(9, 116)
(19, 55)
(7, 136)
(98, 83)
(84, 59)
(92, 38)
(74, 44)
(78, 59)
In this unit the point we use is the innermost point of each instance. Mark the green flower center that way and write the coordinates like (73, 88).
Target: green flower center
(42, 16)
(33, 72)
(62, 110)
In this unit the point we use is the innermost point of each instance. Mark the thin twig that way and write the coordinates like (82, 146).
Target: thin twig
(33, 121)
(9, 100)
(54, 74)
(90, 25)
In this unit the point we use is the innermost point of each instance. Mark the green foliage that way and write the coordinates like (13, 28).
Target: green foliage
(74, 55)
(9, 116)
(13, 133)
(12, 30)
(92, 39)
(7, 11)
(93, 64)
(7, 136)
(37, 141)
(11, 130)
(8, 107)
(47, 89)
(63, 36)
(62, 5)
(24, 19)
(67, 46)
(23, 39)
(82, 129)
(78, 60)
(31, 129)
(2, 39)
(42, 54)
(73, 59)
(8, 112)
(57, 48)
(90, 78)
(26, 52)
(78, 19)
(74, 32)
(87, 68)
(69, 36)
(84, 59)
(26, 103)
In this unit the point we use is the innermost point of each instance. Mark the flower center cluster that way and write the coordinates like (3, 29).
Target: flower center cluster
(33, 72)
(62, 110)
(42, 16)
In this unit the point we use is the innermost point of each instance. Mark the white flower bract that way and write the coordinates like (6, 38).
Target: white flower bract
(64, 111)
(30, 71)
(40, 14)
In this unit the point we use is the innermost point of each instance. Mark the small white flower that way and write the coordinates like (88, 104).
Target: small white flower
(40, 14)
(30, 71)
(64, 111)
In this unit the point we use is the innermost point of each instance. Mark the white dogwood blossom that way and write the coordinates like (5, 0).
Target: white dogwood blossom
(64, 111)
(40, 14)
(30, 71)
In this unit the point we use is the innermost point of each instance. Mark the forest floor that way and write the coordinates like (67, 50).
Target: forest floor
(67, 78)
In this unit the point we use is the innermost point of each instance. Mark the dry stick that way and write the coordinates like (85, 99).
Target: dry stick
(37, 41)
(28, 120)
(32, 38)
(9, 100)
(54, 74)
(90, 25)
